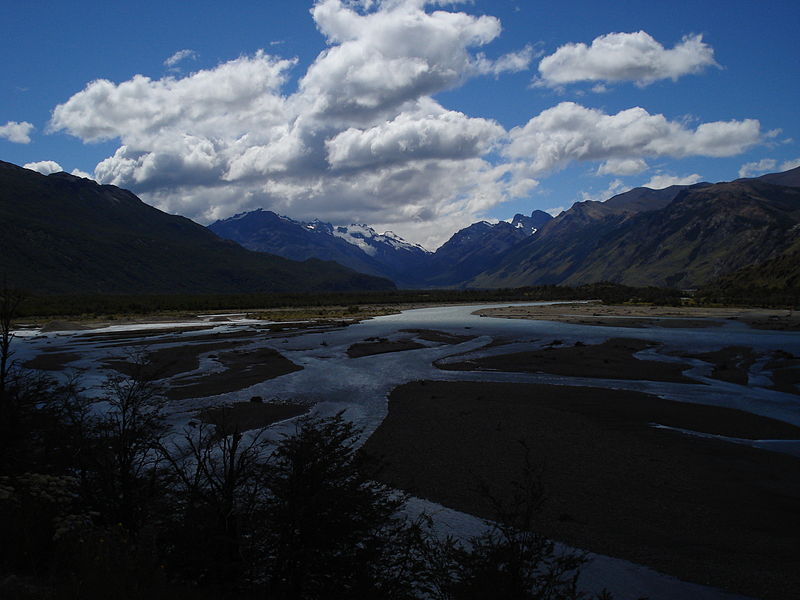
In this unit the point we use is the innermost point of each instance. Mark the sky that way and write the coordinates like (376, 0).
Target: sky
(414, 116)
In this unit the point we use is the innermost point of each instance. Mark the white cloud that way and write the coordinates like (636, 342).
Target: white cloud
(380, 60)
(79, 173)
(180, 56)
(790, 164)
(410, 136)
(48, 167)
(229, 99)
(752, 169)
(617, 186)
(615, 57)
(661, 181)
(569, 132)
(521, 187)
(622, 166)
(45, 167)
(512, 62)
(19, 133)
(555, 211)
(361, 138)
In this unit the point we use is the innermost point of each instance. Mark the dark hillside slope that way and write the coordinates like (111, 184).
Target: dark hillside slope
(471, 251)
(705, 232)
(61, 234)
(775, 281)
(790, 178)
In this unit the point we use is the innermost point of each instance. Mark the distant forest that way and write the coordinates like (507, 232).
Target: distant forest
(99, 305)
(95, 305)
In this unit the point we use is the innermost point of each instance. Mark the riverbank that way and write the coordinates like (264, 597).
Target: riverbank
(700, 509)
(683, 317)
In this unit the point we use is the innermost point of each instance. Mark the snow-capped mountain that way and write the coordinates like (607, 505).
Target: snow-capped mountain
(371, 242)
(356, 246)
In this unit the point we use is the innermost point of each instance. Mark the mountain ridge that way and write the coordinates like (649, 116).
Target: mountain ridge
(63, 233)
(355, 246)
(468, 252)
(705, 231)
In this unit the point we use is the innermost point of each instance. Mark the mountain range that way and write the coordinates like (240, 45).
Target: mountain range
(62, 233)
(357, 247)
(682, 236)
(66, 234)
(466, 254)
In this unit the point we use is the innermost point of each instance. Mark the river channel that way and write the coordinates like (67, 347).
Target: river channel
(332, 381)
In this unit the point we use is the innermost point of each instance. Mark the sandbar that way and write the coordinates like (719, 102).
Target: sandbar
(243, 368)
(684, 317)
(700, 509)
(613, 359)
(381, 346)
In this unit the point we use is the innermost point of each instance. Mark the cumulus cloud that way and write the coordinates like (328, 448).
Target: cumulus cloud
(408, 137)
(512, 62)
(17, 132)
(615, 57)
(79, 173)
(238, 94)
(45, 167)
(661, 181)
(622, 166)
(569, 132)
(752, 169)
(361, 138)
(48, 167)
(378, 61)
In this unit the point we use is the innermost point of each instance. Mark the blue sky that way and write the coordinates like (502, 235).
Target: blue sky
(414, 116)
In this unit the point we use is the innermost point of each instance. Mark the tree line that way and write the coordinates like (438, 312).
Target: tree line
(110, 304)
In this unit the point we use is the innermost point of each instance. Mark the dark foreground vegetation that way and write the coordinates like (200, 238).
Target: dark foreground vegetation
(96, 305)
(99, 498)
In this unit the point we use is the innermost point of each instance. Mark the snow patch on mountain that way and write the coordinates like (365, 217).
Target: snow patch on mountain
(369, 241)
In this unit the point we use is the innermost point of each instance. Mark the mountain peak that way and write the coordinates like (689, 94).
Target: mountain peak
(532, 224)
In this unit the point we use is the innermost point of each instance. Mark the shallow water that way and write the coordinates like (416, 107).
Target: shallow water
(360, 386)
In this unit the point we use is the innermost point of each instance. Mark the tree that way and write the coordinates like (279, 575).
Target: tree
(126, 439)
(336, 533)
(217, 492)
(10, 299)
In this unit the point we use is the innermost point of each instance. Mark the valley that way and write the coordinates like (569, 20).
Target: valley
(400, 300)
(439, 398)
(587, 350)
